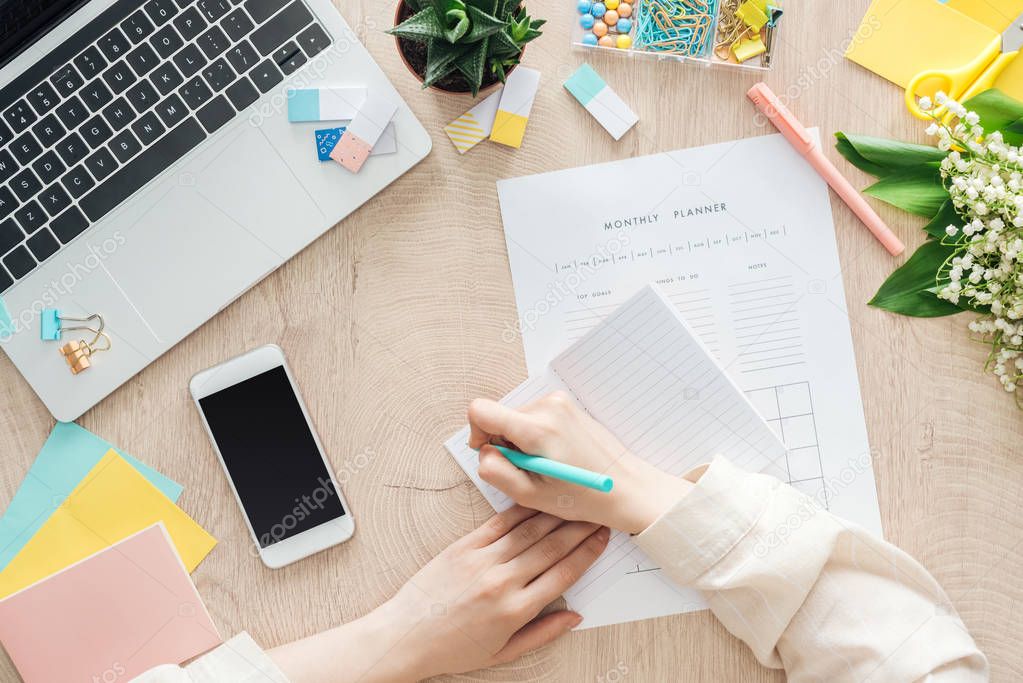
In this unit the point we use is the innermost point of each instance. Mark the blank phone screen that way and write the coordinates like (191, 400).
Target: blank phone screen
(271, 455)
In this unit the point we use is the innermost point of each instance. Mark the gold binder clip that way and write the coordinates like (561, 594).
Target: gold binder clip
(77, 354)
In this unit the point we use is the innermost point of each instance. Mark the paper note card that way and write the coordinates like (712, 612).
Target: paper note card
(474, 125)
(67, 456)
(112, 502)
(363, 132)
(516, 103)
(6, 324)
(111, 616)
(601, 101)
(324, 104)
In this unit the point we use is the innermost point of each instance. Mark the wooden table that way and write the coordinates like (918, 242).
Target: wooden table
(393, 322)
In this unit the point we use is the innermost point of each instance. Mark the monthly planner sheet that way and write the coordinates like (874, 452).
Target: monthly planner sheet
(740, 238)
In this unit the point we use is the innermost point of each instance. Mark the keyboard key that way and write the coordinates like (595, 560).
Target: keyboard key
(313, 40)
(7, 165)
(69, 225)
(25, 149)
(96, 95)
(78, 181)
(189, 60)
(90, 62)
(242, 57)
(261, 10)
(289, 58)
(218, 74)
(55, 199)
(48, 130)
(241, 93)
(113, 45)
(237, 24)
(96, 132)
(266, 75)
(142, 59)
(281, 28)
(166, 78)
(10, 235)
(189, 23)
(148, 128)
(72, 112)
(166, 41)
(125, 146)
(5, 133)
(142, 96)
(143, 168)
(19, 262)
(215, 114)
(171, 111)
(48, 167)
(5, 281)
(119, 113)
(213, 9)
(66, 80)
(71, 149)
(30, 217)
(137, 27)
(213, 42)
(160, 11)
(43, 98)
(8, 202)
(195, 92)
(42, 245)
(119, 77)
(101, 163)
(25, 185)
(20, 116)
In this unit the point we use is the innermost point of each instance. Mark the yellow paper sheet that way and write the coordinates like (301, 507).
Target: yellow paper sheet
(111, 503)
(899, 39)
(996, 14)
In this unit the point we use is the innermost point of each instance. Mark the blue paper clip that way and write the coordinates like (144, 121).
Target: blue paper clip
(51, 324)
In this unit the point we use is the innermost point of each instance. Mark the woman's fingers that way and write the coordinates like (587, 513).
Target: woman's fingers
(537, 633)
(498, 471)
(497, 526)
(488, 419)
(549, 550)
(523, 536)
(567, 571)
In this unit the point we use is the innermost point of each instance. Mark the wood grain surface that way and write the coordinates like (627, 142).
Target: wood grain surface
(393, 322)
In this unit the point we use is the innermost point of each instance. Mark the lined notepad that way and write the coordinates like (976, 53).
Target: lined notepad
(645, 376)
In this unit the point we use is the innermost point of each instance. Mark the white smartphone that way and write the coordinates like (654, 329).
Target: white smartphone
(272, 456)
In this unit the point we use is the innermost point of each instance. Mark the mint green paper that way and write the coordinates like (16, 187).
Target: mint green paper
(6, 325)
(67, 456)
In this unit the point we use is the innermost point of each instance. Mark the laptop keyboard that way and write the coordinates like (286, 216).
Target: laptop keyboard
(124, 98)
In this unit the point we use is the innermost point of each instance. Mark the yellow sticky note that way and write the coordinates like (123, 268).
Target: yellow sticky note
(899, 39)
(111, 503)
(996, 14)
(509, 129)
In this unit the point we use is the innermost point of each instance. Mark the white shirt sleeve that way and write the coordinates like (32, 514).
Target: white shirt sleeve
(815, 595)
(239, 660)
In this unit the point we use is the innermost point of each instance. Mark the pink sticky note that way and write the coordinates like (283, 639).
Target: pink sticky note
(351, 151)
(115, 614)
(364, 131)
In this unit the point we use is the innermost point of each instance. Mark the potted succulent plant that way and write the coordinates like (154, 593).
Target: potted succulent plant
(462, 45)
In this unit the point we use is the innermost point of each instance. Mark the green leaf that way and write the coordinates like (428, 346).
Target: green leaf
(881, 157)
(998, 111)
(471, 65)
(502, 45)
(908, 290)
(421, 27)
(916, 189)
(456, 21)
(483, 25)
(487, 6)
(440, 60)
(945, 217)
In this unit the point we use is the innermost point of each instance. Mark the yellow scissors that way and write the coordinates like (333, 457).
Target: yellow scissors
(996, 66)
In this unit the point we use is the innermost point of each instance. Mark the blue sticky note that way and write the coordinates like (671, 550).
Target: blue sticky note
(6, 324)
(67, 456)
(303, 105)
(326, 141)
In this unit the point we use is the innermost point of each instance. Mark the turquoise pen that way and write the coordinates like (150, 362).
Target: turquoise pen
(557, 470)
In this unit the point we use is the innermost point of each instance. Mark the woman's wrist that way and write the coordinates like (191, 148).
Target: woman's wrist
(646, 494)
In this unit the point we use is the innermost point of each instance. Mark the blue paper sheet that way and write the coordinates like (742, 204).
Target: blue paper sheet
(67, 456)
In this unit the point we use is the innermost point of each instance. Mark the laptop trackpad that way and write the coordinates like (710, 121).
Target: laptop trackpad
(207, 232)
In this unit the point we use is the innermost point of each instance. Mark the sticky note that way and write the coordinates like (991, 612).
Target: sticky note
(324, 104)
(363, 132)
(6, 324)
(112, 616)
(601, 101)
(474, 125)
(66, 458)
(326, 140)
(111, 503)
(516, 103)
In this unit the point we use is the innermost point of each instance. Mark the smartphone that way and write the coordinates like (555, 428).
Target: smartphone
(272, 456)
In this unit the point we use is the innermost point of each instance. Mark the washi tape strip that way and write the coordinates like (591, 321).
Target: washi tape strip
(475, 125)
(601, 101)
(324, 104)
(516, 103)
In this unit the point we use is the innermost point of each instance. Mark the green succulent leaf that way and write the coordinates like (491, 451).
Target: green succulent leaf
(880, 157)
(421, 27)
(472, 64)
(502, 45)
(440, 60)
(916, 189)
(910, 289)
(483, 25)
(456, 19)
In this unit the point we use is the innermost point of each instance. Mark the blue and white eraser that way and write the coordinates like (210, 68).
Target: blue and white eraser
(49, 324)
(601, 101)
(326, 141)
(324, 104)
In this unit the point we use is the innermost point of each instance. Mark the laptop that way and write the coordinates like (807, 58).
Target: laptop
(148, 171)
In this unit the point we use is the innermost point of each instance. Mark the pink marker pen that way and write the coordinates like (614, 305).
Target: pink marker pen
(787, 124)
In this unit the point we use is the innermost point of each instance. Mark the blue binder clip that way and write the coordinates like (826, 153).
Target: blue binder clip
(51, 324)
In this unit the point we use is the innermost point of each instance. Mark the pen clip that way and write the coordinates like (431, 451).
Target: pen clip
(783, 119)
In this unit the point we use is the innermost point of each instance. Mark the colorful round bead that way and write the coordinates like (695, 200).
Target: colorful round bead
(624, 41)
(624, 25)
(586, 21)
(585, 6)
(589, 39)
(598, 9)
(624, 10)
(611, 4)
(606, 41)
(610, 17)
(599, 29)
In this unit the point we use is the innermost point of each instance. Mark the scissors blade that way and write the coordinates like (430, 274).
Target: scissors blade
(1012, 37)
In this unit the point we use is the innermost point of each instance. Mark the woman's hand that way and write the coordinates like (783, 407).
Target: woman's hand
(473, 606)
(555, 427)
